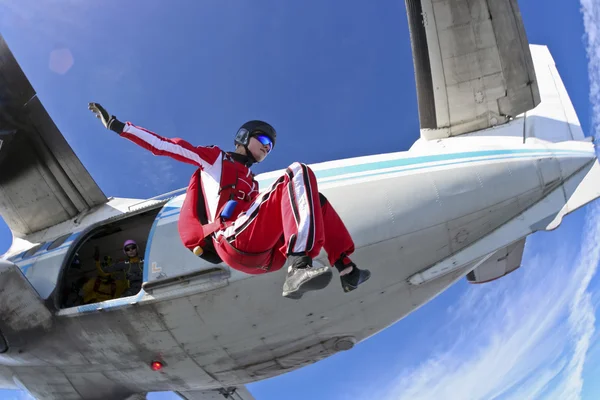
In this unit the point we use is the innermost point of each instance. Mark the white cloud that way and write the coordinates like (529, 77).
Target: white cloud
(582, 313)
(538, 382)
(524, 336)
(591, 19)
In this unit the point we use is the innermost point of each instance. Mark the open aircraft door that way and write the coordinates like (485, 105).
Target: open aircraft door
(171, 269)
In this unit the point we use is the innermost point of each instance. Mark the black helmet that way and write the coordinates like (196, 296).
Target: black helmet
(251, 128)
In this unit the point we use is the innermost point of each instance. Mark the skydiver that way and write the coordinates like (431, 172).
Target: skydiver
(132, 266)
(290, 220)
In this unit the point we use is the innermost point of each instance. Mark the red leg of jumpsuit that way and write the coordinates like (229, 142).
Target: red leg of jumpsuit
(291, 207)
(337, 238)
(290, 217)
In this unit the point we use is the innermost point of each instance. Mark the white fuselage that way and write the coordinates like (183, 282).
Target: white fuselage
(407, 212)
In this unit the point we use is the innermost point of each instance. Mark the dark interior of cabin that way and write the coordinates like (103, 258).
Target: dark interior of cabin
(82, 283)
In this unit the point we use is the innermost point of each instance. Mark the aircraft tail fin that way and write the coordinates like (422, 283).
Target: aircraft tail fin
(554, 119)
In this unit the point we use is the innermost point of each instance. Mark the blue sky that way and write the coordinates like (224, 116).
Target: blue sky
(336, 82)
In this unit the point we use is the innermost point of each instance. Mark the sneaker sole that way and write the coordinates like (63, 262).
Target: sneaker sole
(318, 282)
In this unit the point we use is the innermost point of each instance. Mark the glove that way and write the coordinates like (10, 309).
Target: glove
(109, 122)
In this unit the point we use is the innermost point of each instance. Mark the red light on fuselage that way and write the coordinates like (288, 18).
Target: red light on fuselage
(156, 365)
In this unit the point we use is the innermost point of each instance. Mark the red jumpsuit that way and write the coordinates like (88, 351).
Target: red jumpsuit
(290, 217)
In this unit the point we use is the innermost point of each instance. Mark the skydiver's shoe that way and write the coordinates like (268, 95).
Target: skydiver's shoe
(350, 275)
(302, 277)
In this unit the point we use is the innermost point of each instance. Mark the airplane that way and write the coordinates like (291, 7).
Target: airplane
(501, 155)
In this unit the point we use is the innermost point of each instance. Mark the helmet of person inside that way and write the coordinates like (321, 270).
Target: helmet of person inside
(127, 243)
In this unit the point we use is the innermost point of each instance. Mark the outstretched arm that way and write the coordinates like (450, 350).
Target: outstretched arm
(176, 148)
(105, 268)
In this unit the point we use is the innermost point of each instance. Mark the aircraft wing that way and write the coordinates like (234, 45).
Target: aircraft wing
(42, 182)
(235, 393)
(473, 67)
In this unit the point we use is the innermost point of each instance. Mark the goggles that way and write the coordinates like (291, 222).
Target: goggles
(131, 248)
(265, 141)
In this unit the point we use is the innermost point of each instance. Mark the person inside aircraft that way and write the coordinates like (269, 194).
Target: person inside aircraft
(252, 232)
(71, 293)
(74, 296)
(132, 266)
(76, 262)
(106, 285)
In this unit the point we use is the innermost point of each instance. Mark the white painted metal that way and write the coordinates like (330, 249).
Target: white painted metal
(554, 119)
(231, 329)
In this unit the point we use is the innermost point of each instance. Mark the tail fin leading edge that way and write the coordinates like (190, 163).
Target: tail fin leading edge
(554, 119)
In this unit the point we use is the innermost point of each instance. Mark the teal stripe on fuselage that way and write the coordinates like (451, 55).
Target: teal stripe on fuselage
(399, 162)
(380, 168)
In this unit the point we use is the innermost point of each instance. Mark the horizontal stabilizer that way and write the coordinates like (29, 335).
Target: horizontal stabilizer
(502, 263)
(473, 67)
(42, 182)
(233, 393)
